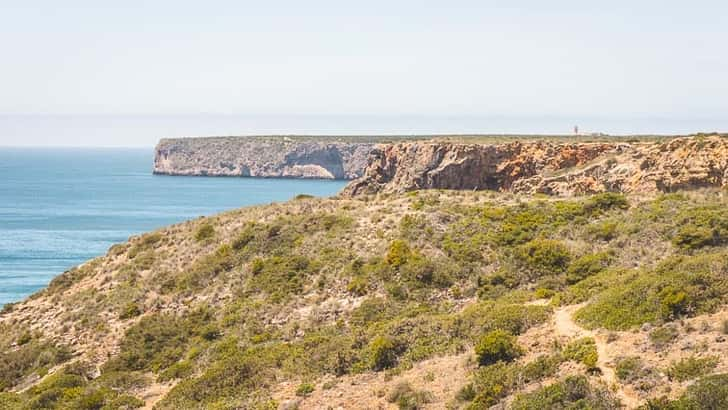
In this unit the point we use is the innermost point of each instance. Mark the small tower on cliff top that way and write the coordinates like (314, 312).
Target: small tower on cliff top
(576, 130)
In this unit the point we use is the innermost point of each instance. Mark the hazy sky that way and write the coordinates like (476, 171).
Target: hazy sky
(478, 59)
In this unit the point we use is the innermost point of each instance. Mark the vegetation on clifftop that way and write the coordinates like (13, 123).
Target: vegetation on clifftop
(254, 307)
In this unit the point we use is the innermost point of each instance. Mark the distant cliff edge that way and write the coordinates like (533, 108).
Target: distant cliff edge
(547, 167)
(297, 157)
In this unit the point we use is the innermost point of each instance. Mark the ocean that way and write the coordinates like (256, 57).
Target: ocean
(60, 206)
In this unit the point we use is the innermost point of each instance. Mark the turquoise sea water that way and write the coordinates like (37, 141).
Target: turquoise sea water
(60, 207)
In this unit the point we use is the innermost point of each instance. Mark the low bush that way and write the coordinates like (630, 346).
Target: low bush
(496, 346)
(179, 370)
(691, 367)
(204, 232)
(358, 285)
(129, 311)
(398, 253)
(604, 202)
(710, 392)
(603, 231)
(544, 257)
(281, 276)
(582, 350)
(407, 398)
(662, 336)
(158, 341)
(234, 376)
(587, 265)
(512, 318)
(701, 227)
(633, 370)
(28, 358)
(305, 389)
(571, 393)
(679, 286)
(207, 268)
(383, 352)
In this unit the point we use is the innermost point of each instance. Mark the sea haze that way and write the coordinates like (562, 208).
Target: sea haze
(60, 207)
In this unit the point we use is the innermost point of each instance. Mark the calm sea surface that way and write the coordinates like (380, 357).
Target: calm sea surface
(60, 207)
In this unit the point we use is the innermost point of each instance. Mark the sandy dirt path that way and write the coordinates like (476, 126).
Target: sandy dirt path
(565, 325)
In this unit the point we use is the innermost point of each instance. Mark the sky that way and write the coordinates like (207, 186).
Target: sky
(95, 73)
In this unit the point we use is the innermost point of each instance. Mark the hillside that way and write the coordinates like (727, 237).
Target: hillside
(431, 299)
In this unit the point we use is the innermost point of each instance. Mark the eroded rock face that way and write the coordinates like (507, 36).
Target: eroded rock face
(547, 167)
(261, 157)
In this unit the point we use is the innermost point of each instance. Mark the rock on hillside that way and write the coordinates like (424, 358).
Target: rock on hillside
(262, 157)
(547, 167)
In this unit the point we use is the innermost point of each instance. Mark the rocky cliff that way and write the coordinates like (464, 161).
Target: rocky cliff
(547, 167)
(262, 157)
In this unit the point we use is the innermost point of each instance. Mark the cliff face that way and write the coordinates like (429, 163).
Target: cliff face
(261, 157)
(547, 167)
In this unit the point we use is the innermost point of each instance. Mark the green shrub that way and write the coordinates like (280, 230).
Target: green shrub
(543, 366)
(280, 277)
(373, 309)
(604, 231)
(204, 232)
(663, 336)
(206, 268)
(383, 353)
(158, 341)
(574, 392)
(244, 238)
(629, 368)
(27, 359)
(691, 367)
(679, 286)
(710, 392)
(129, 311)
(398, 253)
(178, 370)
(24, 338)
(305, 389)
(544, 257)
(490, 384)
(415, 227)
(701, 227)
(604, 202)
(632, 370)
(513, 318)
(358, 285)
(495, 346)
(236, 374)
(587, 265)
(408, 398)
(582, 350)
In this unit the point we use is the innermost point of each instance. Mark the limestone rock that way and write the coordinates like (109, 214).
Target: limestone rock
(324, 157)
(552, 168)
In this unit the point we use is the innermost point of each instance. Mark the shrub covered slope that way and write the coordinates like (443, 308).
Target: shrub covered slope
(603, 301)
